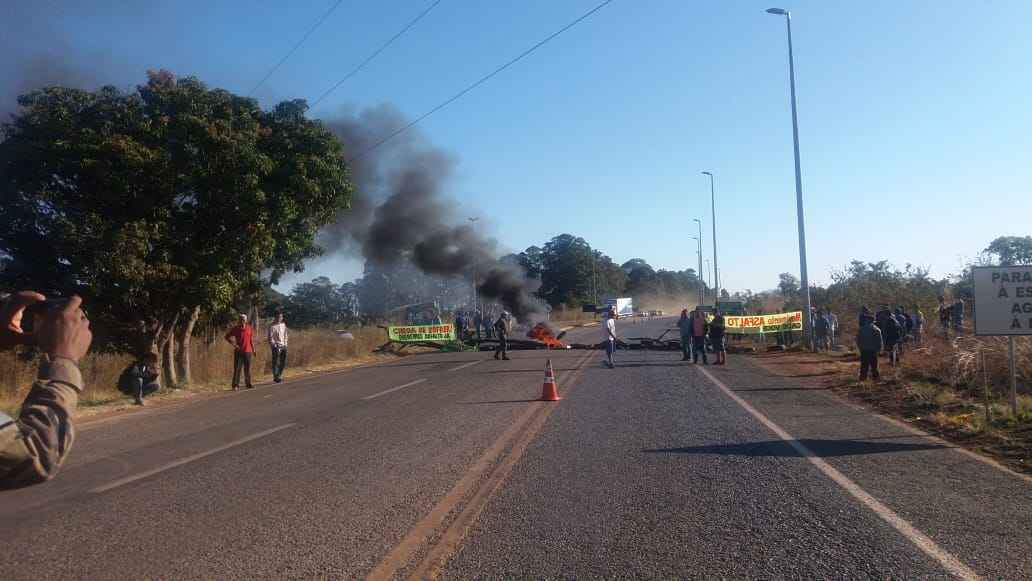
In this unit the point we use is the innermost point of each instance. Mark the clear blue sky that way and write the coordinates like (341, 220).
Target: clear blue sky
(913, 114)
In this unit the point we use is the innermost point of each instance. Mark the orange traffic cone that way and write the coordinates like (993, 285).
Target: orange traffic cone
(549, 391)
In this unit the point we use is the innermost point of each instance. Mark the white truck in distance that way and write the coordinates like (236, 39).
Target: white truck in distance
(624, 306)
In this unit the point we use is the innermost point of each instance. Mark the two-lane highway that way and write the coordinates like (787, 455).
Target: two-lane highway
(444, 465)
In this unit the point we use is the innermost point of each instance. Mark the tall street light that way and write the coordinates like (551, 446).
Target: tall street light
(703, 291)
(702, 297)
(807, 331)
(476, 297)
(713, 209)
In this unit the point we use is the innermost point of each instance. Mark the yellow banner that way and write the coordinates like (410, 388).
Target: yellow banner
(764, 323)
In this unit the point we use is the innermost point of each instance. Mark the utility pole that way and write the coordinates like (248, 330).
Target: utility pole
(713, 209)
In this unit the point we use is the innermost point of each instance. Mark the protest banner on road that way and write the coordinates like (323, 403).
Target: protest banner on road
(756, 324)
(418, 333)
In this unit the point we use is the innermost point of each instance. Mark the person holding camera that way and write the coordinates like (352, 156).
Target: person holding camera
(34, 446)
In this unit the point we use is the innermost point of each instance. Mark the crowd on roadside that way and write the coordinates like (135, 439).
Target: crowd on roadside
(887, 332)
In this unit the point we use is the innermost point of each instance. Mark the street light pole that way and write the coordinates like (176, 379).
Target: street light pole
(476, 297)
(702, 291)
(702, 297)
(807, 331)
(713, 209)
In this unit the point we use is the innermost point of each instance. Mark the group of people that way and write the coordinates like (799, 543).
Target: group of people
(887, 331)
(696, 330)
(825, 326)
(470, 324)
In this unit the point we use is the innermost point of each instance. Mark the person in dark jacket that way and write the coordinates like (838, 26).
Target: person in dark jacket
(891, 332)
(684, 324)
(716, 337)
(869, 342)
(140, 379)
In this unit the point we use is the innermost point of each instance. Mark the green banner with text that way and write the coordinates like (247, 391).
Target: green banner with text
(417, 333)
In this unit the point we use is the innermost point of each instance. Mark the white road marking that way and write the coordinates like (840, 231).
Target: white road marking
(465, 365)
(188, 459)
(393, 389)
(912, 534)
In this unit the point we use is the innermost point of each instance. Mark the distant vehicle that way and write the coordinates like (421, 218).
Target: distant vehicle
(624, 306)
(643, 313)
(656, 313)
(733, 308)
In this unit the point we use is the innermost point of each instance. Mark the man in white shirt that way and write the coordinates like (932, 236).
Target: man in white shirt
(609, 336)
(278, 343)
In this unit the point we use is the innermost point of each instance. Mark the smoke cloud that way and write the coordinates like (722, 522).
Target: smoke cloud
(400, 212)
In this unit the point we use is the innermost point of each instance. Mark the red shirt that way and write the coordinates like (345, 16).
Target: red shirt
(242, 334)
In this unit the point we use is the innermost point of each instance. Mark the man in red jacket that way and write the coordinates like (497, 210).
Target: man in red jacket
(240, 337)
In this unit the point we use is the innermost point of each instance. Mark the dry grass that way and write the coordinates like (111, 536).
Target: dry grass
(212, 365)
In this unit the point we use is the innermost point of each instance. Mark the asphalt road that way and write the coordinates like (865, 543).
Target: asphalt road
(443, 465)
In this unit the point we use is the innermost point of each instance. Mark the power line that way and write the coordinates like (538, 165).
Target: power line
(296, 46)
(481, 81)
(376, 53)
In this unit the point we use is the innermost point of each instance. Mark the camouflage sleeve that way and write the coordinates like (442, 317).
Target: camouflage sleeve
(33, 447)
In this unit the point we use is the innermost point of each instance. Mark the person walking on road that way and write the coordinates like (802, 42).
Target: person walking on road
(684, 324)
(699, 329)
(869, 342)
(502, 328)
(241, 337)
(278, 344)
(716, 337)
(609, 336)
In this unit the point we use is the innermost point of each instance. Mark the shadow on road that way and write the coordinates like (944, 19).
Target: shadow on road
(784, 389)
(499, 401)
(821, 448)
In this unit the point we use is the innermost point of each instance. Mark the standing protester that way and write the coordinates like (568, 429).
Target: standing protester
(699, 329)
(140, 379)
(684, 324)
(478, 322)
(460, 326)
(241, 338)
(821, 329)
(502, 328)
(34, 446)
(609, 336)
(918, 324)
(716, 337)
(832, 328)
(892, 333)
(957, 314)
(278, 345)
(945, 316)
(869, 342)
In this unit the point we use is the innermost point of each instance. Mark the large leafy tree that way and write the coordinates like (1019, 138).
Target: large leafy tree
(566, 271)
(1011, 250)
(157, 203)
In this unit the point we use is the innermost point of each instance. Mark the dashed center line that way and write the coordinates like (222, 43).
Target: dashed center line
(912, 534)
(393, 389)
(188, 459)
(465, 365)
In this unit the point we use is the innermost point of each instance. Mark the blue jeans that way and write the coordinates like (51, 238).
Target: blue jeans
(610, 349)
(279, 361)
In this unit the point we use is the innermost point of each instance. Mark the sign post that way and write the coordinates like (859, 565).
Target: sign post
(1003, 306)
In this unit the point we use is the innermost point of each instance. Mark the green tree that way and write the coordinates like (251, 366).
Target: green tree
(566, 271)
(1011, 250)
(160, 202)
(315, 303)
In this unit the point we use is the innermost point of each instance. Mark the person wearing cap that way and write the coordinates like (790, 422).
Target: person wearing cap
(241, 337)
(34, 445)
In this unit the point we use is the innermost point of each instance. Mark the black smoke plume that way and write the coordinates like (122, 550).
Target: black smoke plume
(400, 212)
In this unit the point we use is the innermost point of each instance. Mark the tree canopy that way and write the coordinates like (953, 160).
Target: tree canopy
(171, 196)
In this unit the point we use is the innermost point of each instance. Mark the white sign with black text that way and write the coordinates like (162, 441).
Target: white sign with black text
(1003, 300)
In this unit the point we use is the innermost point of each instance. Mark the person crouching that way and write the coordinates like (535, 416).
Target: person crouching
(141, 378)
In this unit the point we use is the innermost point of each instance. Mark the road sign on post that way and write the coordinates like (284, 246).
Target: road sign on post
(1003, 306)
